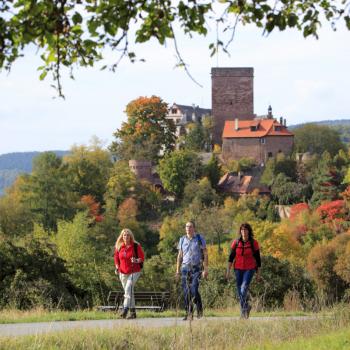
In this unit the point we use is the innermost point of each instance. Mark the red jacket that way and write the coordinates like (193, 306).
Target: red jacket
(122, 258)
(247, 260)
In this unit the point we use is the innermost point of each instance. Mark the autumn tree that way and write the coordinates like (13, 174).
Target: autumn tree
(146, 132)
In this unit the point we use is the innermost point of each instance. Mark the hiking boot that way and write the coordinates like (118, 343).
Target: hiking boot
(132, 314)
(248, 311)
(124, 312)
(188, 317)
(199, 314)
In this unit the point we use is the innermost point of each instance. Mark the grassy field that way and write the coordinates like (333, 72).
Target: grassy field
(331, 333)
(320, 333)
(41, 315)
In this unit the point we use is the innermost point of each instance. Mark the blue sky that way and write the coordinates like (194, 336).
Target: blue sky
(303, 79)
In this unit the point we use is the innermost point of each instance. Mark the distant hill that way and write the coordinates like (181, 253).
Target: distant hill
(341, 125)
(13, 164)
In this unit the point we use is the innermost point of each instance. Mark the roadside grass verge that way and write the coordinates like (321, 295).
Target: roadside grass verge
(285, 334)
(42, 315)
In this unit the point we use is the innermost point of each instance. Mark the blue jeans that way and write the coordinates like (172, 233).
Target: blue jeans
(243, 279)
(190, 277)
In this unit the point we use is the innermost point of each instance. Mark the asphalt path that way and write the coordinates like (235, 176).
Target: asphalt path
(18, 329)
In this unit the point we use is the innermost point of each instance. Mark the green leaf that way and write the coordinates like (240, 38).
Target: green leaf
(43, 75)
(77, 18)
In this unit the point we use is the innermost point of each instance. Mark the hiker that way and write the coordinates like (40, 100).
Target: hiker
(128, 261)
(246, 256)
(192, 263)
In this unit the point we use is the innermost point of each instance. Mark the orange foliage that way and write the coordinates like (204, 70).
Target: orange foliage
(298, 208)
(127, 211)
(334, 210)
(93, 206)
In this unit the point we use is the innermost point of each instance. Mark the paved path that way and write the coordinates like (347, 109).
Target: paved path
(16, 329)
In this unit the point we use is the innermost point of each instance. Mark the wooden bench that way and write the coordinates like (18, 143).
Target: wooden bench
(156, 301)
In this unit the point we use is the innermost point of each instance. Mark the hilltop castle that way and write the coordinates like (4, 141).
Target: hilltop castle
(237, 128)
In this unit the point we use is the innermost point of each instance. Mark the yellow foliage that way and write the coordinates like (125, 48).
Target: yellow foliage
(282, 245)
(218, 258)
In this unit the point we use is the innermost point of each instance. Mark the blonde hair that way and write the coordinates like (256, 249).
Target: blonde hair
(119, 241)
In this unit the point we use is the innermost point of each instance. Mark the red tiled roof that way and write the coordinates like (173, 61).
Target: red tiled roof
(266, 128)
(240, 184)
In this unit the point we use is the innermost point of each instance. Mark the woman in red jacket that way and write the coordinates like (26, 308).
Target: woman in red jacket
(246, 256)
(128, 260)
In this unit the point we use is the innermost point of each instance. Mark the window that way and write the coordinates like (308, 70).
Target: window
(269, 154)
(174, 111)
(263, 141)
(277, 128)
(253, 128)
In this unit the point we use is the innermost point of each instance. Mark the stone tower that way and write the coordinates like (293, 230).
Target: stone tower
(232, 97)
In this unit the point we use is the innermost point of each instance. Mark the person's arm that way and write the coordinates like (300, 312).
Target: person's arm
(140, 254)
(116, 260)
(205, 262)
(258, 263)
(178, 263)
(231, 258)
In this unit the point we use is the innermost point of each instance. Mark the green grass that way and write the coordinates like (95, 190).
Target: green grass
(336, 340)
(41, 315)
(319, 333)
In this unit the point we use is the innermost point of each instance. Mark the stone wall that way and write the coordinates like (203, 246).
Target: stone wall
(232, 97)
(236, 148)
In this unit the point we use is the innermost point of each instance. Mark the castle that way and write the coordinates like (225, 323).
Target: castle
(237, 128)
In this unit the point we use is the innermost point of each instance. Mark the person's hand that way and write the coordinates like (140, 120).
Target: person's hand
(258, 276)
(205, 273)
(116, 270)
(227, 275)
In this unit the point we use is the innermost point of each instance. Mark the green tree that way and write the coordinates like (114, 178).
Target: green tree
(120, 185)
(317, 139)
(178, 168)
(212, 170)
(16, 218)
(195, 139)
(32, 274)
(147, 131)
(326, 183)
(89, 168)
(76, 33)
(285, 191)
(201, 192)
(85, 263)
(48, 191)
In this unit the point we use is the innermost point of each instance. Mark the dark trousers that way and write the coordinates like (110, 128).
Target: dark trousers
(243, 279)
(190, 277)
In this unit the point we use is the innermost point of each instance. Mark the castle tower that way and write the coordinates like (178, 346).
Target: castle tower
(232, 97)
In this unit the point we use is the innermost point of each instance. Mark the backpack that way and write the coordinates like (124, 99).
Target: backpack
(251, 240)
(137, 255)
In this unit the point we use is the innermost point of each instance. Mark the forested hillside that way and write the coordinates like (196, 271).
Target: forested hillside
(13, 164)
(342, 126)
(63, 218)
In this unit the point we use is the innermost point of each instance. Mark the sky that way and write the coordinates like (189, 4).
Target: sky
(304, 80)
